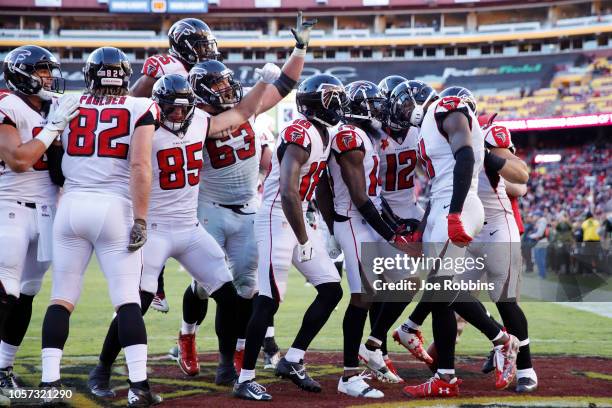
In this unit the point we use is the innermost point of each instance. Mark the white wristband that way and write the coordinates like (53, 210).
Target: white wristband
(299, 52)
(47, 136)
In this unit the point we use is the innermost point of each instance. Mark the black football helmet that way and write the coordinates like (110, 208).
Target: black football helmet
(107, 69)
(192, 41)
(387, 84)
(21, 67)
(407, 104)
(214, 85)
(322, 98)
(366, 103)
(465, 94)
(172, 91)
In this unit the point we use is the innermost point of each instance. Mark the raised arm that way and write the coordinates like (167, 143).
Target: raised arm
(235, 117)
(292, 70)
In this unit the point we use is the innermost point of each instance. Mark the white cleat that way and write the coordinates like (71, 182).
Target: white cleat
(160, 304)
(376, 363)
(357, 387)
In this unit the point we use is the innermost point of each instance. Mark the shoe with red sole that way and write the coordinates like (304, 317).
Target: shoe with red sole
(505, 362)
(188, 354)
(434, 387)
(413, 342)
(392, 368)
(160, 303)
(238, 358)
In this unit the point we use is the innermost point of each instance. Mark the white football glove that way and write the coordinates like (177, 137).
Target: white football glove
(305, 251)
(63, 113)
(269, 73)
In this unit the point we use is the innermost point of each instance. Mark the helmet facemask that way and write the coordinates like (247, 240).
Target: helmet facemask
(372, 111)
(224, 93)
(176, 115)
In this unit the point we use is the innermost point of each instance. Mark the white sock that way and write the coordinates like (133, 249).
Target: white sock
(136, 360)
(294, 355)
(7, 354)
(240, 344)
(412, 324)
(375, 340)
(51, 358)
(447, 371)
(188, 328)
(246, 375)
(527, 372)
(270, 331)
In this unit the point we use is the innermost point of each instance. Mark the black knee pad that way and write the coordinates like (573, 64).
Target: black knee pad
(226, 293)
(131, 326)
(329, 293)
(6, 301)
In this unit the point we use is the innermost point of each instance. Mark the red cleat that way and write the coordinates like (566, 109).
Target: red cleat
(392, 368)
(238, 358)
(188, 354)
(505, 362)
(413, 342)
(434, 387)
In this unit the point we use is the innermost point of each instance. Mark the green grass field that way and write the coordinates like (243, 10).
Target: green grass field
(554, 329)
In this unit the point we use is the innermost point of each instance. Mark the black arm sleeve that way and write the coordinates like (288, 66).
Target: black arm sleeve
(373, 218)
(492, 162)
(54, 161)
(462, 177)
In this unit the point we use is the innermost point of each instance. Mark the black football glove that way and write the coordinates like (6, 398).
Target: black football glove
(302, 31)
(138, 235)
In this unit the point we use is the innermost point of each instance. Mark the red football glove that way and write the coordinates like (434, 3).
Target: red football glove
(456, 232)
(405, 244)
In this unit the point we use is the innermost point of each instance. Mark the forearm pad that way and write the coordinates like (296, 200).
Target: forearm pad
(373, 218)
(462, 177)
(493, 162)
(284, 84)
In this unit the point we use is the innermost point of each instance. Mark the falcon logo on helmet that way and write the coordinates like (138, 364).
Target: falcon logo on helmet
(328, 93)
(187, 29)
(13, 66)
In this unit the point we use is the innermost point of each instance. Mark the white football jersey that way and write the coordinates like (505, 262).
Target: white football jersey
(398, 160)
(231, 166)
(97, 143)
(304, 134)
(491, 186)
(159, 65)
(435, 150)
(346, 138)
(34, 185)
(177, 162)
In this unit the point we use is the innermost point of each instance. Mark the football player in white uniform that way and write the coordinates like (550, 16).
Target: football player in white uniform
(175, 230)
(107, 165)
(28, 125)
(284, 237)
(353, 171)
(191, 41)
(228, 195)
(452, 148)
(397, 149)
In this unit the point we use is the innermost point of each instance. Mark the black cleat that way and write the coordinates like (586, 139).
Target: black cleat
(296, 372)
(52, 386)
(142, 396)
(226, 375)
(489, 364)
(99, 382)
(7, 378)
(526, 384)
(250, 390)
